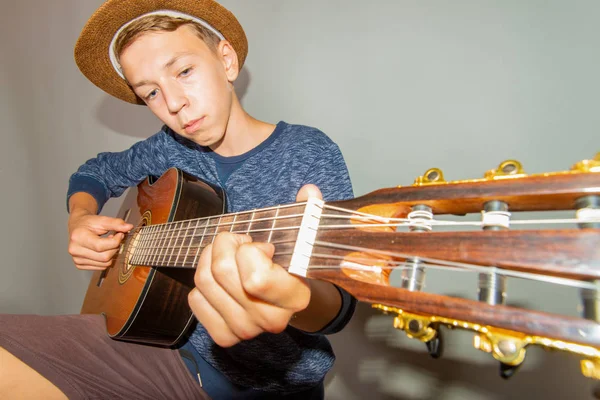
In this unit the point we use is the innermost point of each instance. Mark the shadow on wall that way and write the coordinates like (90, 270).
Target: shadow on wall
(137, 121)
(370, 368)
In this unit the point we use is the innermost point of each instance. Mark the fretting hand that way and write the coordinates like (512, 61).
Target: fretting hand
(240, 293)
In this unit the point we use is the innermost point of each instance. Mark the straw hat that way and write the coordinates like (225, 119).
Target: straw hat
(93, 50)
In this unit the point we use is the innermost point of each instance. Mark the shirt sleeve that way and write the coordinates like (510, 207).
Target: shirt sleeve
(330, 174)
(110, 174)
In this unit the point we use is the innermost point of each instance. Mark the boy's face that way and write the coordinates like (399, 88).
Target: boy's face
(184, 83)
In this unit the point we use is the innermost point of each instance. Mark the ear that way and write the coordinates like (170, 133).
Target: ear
(229, 59)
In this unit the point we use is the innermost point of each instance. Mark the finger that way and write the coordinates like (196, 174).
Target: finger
(269, 282)
(233, 313)
(88, 240)
(253, 311)
(79, 251)
(92, 263)
(89, 268)
(212, 320)
(223, 263)
(103, 224)
(224, 267)
(308, 191)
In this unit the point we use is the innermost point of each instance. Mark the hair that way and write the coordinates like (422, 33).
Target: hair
(161, 23)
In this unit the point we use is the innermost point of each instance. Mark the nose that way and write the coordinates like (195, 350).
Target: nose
(174, 98)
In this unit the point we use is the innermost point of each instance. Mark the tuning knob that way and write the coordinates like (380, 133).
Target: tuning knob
(430, 177)
(588, 165)
(508, 168)
(435, 346)
(507, 371)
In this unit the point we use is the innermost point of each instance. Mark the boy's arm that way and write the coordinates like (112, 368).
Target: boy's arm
(82, 203)
(107, 175)
(110, 174)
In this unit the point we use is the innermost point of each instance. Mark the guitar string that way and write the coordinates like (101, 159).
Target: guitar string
(399, 222)
(180, 242)
(355, 263)
(152, 251)
(366, 264)
(396, 224)
(362, 264)
(379, 221)
(352, 215)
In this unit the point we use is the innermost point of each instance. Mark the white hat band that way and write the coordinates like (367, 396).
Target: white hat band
(169, 13)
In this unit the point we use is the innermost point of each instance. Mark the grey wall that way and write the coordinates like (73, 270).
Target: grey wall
(400, 85)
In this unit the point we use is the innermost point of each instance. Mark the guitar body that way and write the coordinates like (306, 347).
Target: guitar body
(144, 304)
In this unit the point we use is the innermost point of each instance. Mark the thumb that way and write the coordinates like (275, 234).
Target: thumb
(308, 191)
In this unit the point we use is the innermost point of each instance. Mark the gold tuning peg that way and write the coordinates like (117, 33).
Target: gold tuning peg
(430, 177)
(507, 169)
(592, 165)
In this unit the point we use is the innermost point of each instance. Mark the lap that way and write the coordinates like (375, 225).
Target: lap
(76, 355)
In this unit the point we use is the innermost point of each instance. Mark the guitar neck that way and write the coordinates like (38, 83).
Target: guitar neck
(179, 244)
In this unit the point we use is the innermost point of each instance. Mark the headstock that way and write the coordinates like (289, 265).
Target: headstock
(361, 241)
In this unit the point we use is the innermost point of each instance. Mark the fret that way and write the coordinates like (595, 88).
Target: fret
(177, 239)
(180, 240)
(226, 223)
(190, 243)
(170, 246)
(199, 248)
(240, 223)
(262, 222)
(153, 245)
(162, 238)
(164, 247)
(288, 221)
(216, 229)
(285, 232)
(170, 231)
(232, 223)
(273, 225)
(250, 224)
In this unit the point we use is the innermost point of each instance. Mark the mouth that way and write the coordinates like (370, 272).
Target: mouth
(193, 125)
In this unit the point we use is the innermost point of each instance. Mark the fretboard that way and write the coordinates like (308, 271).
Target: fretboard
(179, 243)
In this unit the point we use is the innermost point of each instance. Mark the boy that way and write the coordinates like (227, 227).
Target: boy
(260, 330)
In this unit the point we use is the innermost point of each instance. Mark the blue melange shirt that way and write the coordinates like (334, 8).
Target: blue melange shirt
(270, 174)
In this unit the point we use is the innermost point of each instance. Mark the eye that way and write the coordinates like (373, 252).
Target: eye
(151, 95)
(186, 72)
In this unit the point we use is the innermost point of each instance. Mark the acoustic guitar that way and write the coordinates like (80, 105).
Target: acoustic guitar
(357, 243)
